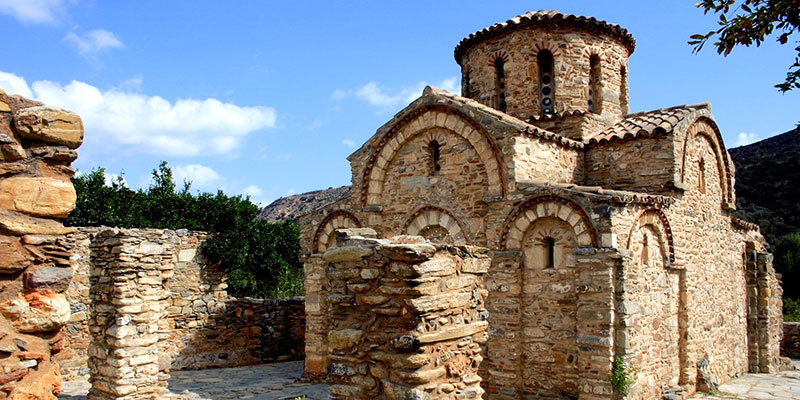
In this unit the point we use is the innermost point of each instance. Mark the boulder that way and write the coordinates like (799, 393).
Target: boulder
(51, 125)
(46, 197)
(21, 224)
(37, 311)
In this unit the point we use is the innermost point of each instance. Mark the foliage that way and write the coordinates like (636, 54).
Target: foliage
(621, 378)
(787, 263)
(750, 22)
(261, 259)
(791, 310)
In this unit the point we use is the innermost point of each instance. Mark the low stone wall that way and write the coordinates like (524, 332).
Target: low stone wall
(790, 346)
(406, 319)
(203, 327)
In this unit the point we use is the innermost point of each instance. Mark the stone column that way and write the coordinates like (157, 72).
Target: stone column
(406, 319)
(764, 312)
(316, 338)
(128, 293)
(596, 295)
(37, 146)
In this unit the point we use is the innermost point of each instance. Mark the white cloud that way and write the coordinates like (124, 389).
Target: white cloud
(94, 42)
(151, 124)
(386, 98)
(746, 138)
(200, 176)
(349, 143)
(34, 11)
(291, 192)
(13, 84)
(252, 191)
(111, 178)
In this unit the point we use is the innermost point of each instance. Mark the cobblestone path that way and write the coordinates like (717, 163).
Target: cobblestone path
(259, 382)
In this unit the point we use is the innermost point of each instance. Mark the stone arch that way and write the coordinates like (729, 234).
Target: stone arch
(419, 121)
(433, 216)
(520, 220)
(325, 234)
(655, 218)
(707, 128)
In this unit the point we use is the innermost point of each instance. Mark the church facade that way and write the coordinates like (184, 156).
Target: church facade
(540, 161)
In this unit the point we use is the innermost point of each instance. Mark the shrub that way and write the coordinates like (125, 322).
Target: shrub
(621, 379)
(787, 263)
(261, 259)
(791, 310)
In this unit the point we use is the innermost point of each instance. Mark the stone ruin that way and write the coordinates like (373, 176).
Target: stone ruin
(508, 243)
(609, 234)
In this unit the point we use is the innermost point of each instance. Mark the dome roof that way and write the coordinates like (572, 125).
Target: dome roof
(542, 17)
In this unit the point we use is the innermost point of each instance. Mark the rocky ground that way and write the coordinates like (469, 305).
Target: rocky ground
(781, 386)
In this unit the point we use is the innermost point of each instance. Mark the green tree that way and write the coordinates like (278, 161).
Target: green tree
(787, 263)
(261, 259)
(748, 22)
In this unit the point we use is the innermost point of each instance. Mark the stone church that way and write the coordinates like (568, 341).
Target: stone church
(540, 160)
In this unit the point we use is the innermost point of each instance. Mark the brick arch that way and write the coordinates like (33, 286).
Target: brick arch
(704, 126)
(422, 119)
(337, 219)
(525, 214)
(433, 215)
(656, 218)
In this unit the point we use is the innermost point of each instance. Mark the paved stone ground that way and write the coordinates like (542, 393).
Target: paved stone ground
(781, 386)
(259, 382)
(281, 381)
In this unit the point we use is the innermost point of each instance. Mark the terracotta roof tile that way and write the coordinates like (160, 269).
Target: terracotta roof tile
(646, 123)
(547, 17)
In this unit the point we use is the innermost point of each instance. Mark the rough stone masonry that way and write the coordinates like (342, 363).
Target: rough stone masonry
(37, 145)
(610, 234)
(407, 318)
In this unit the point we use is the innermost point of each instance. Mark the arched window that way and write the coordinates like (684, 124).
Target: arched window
(595, 91)
(623, 90)
(701, 180)
(435, 157)
(551, 252)
(500, 83)
(645, 251)
(546, 82)
(466, 86)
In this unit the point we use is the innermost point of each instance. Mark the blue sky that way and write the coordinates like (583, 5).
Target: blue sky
(268, 98)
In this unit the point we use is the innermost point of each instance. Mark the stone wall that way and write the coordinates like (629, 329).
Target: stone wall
(406, 319)
(37, 145)
(128, 300)
(790, 346)
(203, 326)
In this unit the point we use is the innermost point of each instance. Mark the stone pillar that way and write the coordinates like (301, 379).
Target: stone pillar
(406, 319)
(595, 269)
(128, 293)
(764, 312)
(316, 338)
(37, 146)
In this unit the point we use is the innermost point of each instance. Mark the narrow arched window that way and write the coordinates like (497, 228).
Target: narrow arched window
(623, 90)
(550, 243)
(435, 157)
(500, 83)
(546, 82)
(466, 86)
(701, 181)
(595, 91)
(645, 251)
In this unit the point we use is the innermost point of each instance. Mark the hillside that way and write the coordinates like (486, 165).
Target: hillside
(768, 183)
(303, 203)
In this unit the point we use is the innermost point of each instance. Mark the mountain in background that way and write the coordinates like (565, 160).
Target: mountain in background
(768, 184)
(301, 204)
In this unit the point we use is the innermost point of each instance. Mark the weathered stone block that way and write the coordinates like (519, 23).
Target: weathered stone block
(47, 197)
(51, 125)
